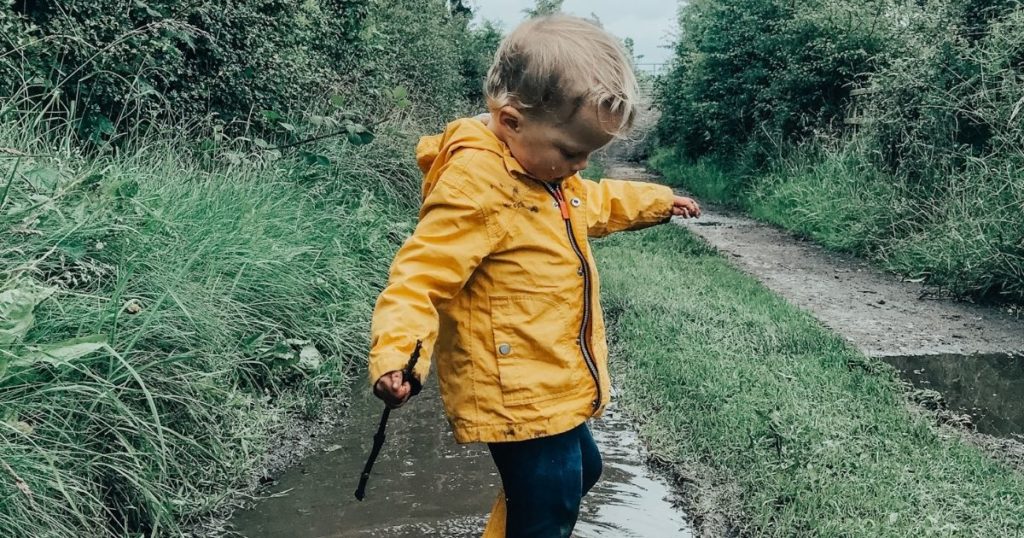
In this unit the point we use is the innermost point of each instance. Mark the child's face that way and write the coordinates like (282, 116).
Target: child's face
(553, 150)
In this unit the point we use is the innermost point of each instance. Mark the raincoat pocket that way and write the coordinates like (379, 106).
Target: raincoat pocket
(532, 350)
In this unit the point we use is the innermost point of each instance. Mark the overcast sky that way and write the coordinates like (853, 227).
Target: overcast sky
(651, 23)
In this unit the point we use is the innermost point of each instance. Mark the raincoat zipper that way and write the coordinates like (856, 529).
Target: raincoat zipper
(556, 193)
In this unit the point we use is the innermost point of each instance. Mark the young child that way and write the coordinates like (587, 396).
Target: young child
(498, 281)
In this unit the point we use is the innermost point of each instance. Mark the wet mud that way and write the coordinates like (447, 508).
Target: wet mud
(424, 484)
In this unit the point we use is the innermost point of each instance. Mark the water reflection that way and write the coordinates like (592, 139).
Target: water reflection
(424, 484)
(988, 387)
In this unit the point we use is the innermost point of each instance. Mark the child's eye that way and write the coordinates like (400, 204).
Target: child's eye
(566, 154)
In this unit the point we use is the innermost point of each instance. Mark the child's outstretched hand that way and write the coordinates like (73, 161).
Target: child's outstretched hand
(392, 389)
(685, 207)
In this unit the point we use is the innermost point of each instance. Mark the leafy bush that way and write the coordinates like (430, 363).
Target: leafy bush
(112, 65)
(113, 62)
(767, 70)
(411, 44)
(956, 97)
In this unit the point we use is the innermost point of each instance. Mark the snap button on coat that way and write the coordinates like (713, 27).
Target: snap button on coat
(504, 349)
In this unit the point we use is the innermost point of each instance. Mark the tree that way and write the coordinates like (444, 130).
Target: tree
(459, 7)
(544, 7)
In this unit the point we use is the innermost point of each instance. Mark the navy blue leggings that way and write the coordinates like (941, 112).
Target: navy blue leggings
(544, 481)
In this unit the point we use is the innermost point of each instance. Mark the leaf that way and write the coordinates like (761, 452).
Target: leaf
(149, 10)
(400, 93)
(92, 181)
(127, 189)
(1016, 109)
(271, 115)
(250, 343)
(67, 350)
(287, 127)
(43, 178)
(23, 427)
(360, 139)
(233, 157)
(16, 307)
(98, 125)
(309, 358)
(315, 159)
(283, 351)
(74, 250)
(337, 101)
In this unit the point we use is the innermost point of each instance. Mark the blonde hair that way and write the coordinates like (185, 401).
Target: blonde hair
(549, 63)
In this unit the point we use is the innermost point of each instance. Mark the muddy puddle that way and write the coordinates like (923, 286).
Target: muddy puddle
(988, 387)
(424, 484)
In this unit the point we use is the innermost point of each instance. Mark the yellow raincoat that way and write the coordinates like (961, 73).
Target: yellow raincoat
(499, 283)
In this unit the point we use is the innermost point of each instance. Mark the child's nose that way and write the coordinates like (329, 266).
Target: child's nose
(580, 165)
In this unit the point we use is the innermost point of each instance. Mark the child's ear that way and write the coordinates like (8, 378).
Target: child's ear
(510, 118)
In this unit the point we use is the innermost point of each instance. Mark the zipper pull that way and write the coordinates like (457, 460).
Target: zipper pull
(561, 203)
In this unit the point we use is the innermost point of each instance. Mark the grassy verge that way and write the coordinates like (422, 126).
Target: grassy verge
(816, 439)
(964, 234)
(163, 309)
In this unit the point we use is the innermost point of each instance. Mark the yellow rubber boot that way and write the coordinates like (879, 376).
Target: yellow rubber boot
(496, 524)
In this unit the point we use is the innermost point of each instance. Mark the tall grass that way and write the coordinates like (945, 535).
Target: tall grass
(163, 308)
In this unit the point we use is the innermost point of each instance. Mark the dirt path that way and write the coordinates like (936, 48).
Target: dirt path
(880, 314)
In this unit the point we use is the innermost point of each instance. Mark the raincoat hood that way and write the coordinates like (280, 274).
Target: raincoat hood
(434, 152)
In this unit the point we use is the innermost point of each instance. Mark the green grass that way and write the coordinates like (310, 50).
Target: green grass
(707, 179)
(153, 306)
(726, 377)
(963, 232)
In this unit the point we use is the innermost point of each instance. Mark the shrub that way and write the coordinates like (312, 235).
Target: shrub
(765, 70)
(113, 62)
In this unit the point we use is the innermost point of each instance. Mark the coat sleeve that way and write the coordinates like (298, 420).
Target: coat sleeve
(450, 240)
(614, 205)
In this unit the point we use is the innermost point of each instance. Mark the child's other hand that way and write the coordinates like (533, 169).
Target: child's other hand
(685, 207)
(392, 389)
